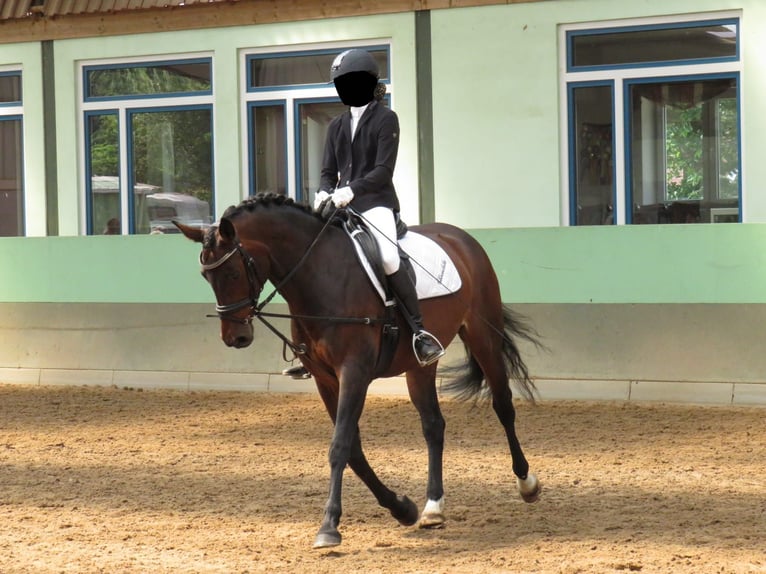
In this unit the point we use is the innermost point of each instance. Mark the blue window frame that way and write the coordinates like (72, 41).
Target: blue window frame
(154, 79)
(670, 44)
(10, 88)
(148, 135)
(267, 134)
(12, 223)
(303, 68)
(289, 104)
(11, 175)
(648, 142)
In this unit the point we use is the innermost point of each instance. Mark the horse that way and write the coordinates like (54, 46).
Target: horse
(337, 329)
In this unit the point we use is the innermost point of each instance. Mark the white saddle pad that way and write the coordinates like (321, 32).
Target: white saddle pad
(435, 273)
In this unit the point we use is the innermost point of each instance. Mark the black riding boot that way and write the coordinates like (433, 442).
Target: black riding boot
(427, 348)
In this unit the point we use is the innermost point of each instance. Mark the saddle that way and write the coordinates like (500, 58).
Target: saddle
(433, 274)
(357, 229)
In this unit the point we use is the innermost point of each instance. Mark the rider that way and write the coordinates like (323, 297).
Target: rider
(357, 170)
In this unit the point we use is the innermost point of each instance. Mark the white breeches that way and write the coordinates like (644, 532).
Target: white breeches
(383, 227)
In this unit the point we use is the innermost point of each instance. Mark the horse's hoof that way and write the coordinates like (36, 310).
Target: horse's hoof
(433, 514)
(431, 521)
(529, 488)
(327, 539)
(405, 511)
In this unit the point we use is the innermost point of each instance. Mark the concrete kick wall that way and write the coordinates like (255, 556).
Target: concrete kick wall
(696, 353)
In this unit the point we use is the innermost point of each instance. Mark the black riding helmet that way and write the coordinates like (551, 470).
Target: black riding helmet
(355, 75)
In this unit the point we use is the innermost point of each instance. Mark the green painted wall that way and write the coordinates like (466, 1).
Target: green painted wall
(638, 264)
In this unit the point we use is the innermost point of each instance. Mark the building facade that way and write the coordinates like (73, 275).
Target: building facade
(606, 155)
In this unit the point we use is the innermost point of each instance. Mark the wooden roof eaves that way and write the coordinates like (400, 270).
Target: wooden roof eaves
(223, 13)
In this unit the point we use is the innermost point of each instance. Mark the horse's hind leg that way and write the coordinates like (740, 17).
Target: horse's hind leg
(485, 347)
(529, 487)
(422, 389)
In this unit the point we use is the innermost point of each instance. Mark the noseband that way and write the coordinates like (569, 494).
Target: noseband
(225, 312)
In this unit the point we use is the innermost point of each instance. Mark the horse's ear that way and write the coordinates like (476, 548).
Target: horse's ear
(193, 233)
(226, 229)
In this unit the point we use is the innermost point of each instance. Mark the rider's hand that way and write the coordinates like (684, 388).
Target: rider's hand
(342, 197)
(319, 199)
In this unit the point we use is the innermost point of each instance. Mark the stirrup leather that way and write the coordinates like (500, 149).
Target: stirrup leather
(434, 354)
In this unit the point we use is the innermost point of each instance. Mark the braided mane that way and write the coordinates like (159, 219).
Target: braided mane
(260, 199)
(267, 199)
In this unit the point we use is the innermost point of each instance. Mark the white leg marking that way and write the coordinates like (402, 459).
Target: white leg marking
(434, 506)
(433, 514)
(529, 487)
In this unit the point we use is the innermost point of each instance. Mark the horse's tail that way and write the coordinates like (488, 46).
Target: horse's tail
(466, 381)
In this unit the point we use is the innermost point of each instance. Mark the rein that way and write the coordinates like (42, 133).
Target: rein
(224, 312)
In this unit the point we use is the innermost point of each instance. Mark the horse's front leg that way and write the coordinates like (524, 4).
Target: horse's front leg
(350, 403)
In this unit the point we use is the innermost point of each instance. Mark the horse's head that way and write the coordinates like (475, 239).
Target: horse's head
(231, 272)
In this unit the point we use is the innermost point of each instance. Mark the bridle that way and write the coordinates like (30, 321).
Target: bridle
(225, 312)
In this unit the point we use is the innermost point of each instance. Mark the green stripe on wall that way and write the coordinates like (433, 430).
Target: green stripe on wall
(724, 263)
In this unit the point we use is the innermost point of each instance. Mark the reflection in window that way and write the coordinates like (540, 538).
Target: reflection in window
(103, 145)
(684, 150)
(669, 43)
(10, 88)
(185, 76)
(171, 168)
(670, 154)
(301, 68)
(593, 155)
(314, 117)
(269, 164)
(148, 160)
(11, 183)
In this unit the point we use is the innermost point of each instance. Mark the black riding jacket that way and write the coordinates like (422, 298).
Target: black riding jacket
(366, 164)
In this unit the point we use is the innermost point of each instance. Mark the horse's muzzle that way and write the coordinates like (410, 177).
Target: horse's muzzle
(236, 335)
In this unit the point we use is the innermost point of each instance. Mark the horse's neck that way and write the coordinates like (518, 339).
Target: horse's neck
(300, 250)
(308, 261)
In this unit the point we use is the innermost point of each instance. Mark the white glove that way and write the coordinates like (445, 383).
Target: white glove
(342, 197)
(319, 198)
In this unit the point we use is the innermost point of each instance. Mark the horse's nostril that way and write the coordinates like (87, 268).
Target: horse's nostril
(241, 341)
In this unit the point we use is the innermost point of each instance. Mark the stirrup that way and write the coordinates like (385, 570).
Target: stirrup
(431, 355)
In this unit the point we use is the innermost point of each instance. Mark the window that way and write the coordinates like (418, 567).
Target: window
(290, 102)
(148, 145)
(11, 156)
(653, 123)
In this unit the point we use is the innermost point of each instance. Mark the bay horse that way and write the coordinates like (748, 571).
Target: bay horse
(335, 324)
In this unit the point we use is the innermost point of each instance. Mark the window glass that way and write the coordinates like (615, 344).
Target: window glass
(314, 117)
(10, 88)
(684, 151)
(103, 148)
(593, 155)
(171, 168)
(660, 44)
(649, 142)
(148, 160)
(268, 161)
(11, 182)
(149, 79)
(302, 68)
